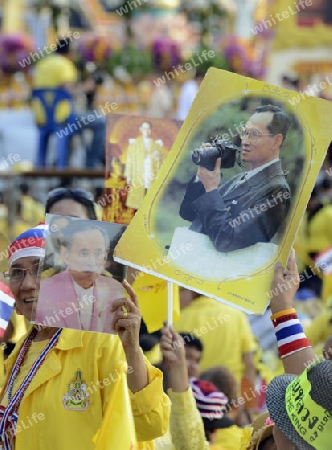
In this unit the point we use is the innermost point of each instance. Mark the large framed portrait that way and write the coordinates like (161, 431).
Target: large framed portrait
(229, 200)
(136, 148)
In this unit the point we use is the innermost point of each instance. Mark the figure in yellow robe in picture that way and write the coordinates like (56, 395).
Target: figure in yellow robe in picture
(144, 158)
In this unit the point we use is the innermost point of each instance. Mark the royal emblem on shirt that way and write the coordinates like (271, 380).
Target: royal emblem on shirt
(77, 398)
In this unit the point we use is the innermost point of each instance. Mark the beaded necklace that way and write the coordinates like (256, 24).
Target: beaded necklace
(9, 416)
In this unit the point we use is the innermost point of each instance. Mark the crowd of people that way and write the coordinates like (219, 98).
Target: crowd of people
(216, 378)
(80, 101)
(205, 387)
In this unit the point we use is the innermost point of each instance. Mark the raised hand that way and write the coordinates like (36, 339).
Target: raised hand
(284, 285)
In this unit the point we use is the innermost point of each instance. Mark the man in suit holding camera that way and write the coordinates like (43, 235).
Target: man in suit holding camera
(251, 207)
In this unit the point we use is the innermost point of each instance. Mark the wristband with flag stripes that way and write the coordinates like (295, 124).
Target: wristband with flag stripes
(290, 337)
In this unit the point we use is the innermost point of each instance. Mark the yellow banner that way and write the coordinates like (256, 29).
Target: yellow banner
(311, 421)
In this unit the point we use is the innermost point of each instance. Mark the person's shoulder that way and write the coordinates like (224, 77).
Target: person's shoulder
(275, 173)
(53, 60)
(61, 60)
(327, 209)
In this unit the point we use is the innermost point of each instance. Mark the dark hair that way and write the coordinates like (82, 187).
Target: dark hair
(326, 184)
(63, 47)
(192, 341)
(80, 196)
(224, 381)
(147, 342)
(9, 347)
(77, 226)
(24, 188)
(280, 122)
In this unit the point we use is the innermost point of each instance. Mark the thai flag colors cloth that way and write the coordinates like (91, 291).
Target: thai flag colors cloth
(30, 243)
(290, 337)
(6, 307)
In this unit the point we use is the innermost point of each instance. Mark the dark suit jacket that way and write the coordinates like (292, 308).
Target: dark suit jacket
(235, 217)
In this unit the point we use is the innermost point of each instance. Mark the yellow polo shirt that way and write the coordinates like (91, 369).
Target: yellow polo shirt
(224, 331)
(54, 71)
(89, 362)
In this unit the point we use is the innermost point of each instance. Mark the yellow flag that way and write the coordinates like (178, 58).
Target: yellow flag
(118, 429)
(327, 289)
(152, 297)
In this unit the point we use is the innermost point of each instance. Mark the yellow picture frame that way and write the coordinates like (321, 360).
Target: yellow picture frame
(140, 246)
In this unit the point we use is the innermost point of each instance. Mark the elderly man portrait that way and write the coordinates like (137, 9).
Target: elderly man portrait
(252, 206)
(144, 158)
(86, 295)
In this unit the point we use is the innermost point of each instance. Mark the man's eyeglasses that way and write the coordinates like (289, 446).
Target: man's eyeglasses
(70, 193)
(17, 274)
(252, 134)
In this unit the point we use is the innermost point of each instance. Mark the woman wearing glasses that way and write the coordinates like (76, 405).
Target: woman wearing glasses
(250, 207)
(59, 381)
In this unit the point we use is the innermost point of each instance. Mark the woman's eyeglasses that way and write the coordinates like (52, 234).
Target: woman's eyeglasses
(17, 274)
(70, 193)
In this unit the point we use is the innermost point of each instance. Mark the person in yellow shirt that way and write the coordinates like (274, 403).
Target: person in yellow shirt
(32, 212)
(57, 70)
(60, 381)
(214, 322)
(315, 236)
(77, 202)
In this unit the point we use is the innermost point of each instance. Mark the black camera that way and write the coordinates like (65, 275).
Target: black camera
(220, 148)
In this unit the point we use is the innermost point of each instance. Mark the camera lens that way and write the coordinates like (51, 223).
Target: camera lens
(196, 156)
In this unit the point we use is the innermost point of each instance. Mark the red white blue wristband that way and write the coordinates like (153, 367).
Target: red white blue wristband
(290, 337)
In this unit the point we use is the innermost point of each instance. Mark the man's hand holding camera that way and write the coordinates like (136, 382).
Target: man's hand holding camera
(210, 179)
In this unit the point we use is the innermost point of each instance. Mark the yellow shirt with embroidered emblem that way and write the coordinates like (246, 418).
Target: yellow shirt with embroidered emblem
(47, 418)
